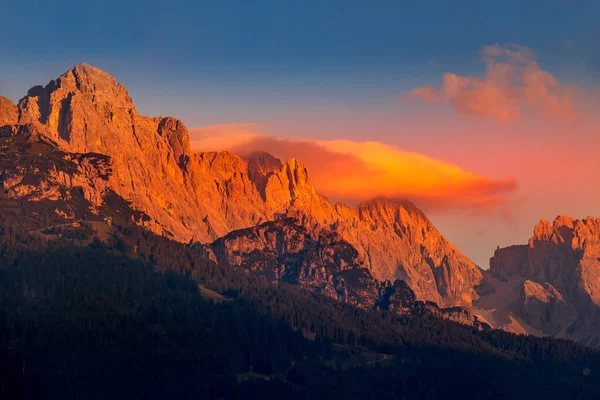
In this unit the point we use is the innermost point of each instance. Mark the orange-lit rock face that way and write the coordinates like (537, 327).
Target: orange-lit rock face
(86, 110)
(558, 276)
(509, 261)
(9, 114)
(203, 196)
(397, 241)
(567, 250)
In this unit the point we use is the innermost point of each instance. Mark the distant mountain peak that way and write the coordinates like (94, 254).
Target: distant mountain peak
(558, 276)
(91, 73)
(83, 66)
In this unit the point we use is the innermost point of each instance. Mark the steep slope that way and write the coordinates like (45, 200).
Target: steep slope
(65, 198)
(86, 110)
(550, 286)
(283, 252)
(397, 241)
(200, 197)
(46, 185)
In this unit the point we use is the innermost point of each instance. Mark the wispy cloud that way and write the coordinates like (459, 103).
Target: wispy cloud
(513, 84)
(352, 171)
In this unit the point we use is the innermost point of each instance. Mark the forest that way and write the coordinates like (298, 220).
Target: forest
(129, 317)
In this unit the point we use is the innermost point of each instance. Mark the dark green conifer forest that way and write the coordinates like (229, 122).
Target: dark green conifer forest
(129, 317)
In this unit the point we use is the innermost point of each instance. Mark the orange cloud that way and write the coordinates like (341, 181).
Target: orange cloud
(513, 83)
(353, 172)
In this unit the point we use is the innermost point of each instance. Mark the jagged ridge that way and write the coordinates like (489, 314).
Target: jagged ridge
(556, 277)
(203, 196)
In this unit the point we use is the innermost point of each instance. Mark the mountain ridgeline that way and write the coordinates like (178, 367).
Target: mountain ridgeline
(551, 286)
(201, 197)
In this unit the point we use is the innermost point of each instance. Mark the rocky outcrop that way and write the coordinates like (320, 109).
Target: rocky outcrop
(397, 241)
(9, 115)
(284, 252)
(196, 197)
(85, 110)
(261, 166)
(200, 197)
(544, 308)
(557, 276)
(54, 186)
(37, 171)
(565, 254)
(509, 261)
(397, 297)
(281, 251)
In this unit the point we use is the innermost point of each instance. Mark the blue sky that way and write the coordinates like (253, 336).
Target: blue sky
(282, 53)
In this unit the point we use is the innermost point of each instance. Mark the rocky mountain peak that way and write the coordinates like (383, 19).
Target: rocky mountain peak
(297, 173)
(550, 247)
(567, 231)
(200, 197)
(81, 110)
(288, 184)
(85, 67)
(261, 165)
(544, 227)
(564, 221)
(558, 276)
(103, 87)
(8, 111)
(396, 241)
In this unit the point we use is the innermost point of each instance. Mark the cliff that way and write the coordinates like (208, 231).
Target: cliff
(552, 285)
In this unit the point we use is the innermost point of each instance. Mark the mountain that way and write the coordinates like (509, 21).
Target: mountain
(65, 195)
(283, 252)
(397, 241)
(132, 267)
(550, 286)
(200, 197)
